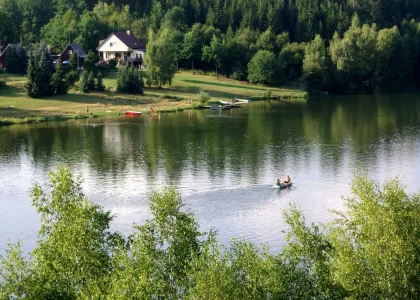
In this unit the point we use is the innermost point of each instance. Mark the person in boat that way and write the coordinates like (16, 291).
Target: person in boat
(278, 182)
(288, 180)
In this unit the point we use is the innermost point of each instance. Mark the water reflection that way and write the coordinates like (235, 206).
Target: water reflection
(222, 162)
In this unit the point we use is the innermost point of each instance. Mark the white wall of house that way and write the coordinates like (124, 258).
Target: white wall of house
(114, 48)
(137, 52)
(113, 44)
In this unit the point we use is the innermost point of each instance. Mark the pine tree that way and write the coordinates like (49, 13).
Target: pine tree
(32, 88)
(12, 61)
(58, 82)
(99, 83)
(46, 67)
(130, 81)
(91, 81)
(23, 61)
(73, 64)
(39, 73)
(84, 85)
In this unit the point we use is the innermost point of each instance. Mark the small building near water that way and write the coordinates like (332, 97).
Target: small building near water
(123, 47)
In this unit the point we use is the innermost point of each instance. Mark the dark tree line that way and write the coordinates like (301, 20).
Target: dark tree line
(23, 20)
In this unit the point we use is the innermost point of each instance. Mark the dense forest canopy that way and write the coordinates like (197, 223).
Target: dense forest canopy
(23, 20)
(226, 34)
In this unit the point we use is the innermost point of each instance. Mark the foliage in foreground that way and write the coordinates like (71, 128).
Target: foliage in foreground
(370, 251)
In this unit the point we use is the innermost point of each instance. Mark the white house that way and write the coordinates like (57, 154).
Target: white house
(122, 46)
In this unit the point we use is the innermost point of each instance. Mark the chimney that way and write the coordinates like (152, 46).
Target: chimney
(128, 32)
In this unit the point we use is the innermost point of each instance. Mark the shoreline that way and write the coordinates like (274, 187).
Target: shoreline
(17, 108)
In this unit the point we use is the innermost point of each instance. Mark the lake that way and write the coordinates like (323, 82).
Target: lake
(223, 163)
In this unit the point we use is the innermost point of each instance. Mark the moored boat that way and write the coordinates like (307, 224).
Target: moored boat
(242, 100)
(131, 113)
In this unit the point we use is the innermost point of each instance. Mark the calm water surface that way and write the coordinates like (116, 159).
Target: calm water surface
(223, 163)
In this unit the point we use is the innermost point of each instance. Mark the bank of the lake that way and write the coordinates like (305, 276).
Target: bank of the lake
(17, 107)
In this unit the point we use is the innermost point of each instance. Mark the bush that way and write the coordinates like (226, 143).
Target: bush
(203, 97)
(72, 77)
(130, 81)
(238, 71)
(112, 63)
(103, 70)
(89, 63)
(267, 94)
(263, 68)
(369, 251)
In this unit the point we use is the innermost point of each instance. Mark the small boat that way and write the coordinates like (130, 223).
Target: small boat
(242, 100)
(282, 186)
(131, 113)
(225, 102)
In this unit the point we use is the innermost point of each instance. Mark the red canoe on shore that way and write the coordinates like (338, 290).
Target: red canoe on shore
(133, 113)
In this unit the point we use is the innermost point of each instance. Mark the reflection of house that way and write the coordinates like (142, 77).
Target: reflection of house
(69, 50)
(3, 54)
(122, 46)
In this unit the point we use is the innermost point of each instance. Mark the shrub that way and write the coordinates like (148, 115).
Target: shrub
(72, 77)
(103, 70)
(99, 85)
(112, 63)
(130, 81)
(89, 63)
(203, 97)
(263, 68)
(267, 94)
(238, 71)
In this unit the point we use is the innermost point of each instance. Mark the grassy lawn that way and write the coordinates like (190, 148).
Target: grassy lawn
(15, 106)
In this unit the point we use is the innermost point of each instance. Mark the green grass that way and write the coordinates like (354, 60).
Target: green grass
(16, 106)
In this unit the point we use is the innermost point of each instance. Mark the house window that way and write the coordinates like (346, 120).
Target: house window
(110, 44)
(70, 52)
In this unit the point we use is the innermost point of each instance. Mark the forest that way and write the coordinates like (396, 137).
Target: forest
(343, 46)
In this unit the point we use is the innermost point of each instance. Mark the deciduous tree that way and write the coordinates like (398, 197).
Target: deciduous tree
(161, 58)
(316, 65)
(263, 68)
(214, 52)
